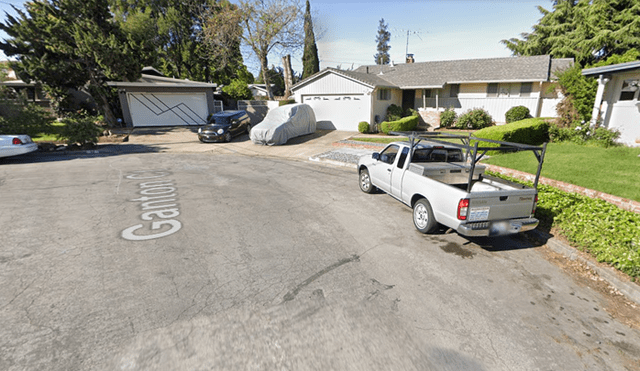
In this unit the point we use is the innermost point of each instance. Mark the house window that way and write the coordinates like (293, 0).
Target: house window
(384, 94)
(492, 90)
(454, 90)
(504, 90)
(629, 89)
(427, 93)
(525, 89)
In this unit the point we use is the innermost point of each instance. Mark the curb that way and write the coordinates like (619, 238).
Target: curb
(630, 290)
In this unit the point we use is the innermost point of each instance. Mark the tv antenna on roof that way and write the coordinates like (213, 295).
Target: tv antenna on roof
(409, 32)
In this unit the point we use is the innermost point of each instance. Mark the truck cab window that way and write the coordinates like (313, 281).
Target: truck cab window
(389, 155)
(403, 157)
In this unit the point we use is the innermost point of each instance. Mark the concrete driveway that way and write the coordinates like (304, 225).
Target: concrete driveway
(185, 140)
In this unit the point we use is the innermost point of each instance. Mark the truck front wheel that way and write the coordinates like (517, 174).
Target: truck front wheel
(365, 182)
(423, 216)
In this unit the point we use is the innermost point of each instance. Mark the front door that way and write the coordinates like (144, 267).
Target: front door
(408, 99)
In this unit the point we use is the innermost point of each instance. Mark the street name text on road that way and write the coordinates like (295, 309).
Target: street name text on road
(157, 202)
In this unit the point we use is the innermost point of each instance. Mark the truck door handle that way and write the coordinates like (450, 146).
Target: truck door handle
(503, 198)
(389, 170)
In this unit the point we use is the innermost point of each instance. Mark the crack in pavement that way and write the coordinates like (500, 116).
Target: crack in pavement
(292, 294)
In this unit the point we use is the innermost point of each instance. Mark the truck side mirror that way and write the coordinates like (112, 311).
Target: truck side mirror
(376, 156)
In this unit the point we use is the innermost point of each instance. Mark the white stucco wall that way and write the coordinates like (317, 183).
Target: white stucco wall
(624, 115)
(540, 102)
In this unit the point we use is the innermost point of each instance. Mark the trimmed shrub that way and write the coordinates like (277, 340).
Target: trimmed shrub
(411, 112)
(476, 118)
(517, 113)
(582, 133)
(363, 127)
(534, 131)
(27, 119)
(404, 124)
(448, 118)
(81, 130)
(394, 113)
(285, 102)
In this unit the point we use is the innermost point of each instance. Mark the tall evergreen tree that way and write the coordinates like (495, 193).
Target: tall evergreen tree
(310, 61)
(586, 30)
(177, 26)
(382, 38)
(67, 44)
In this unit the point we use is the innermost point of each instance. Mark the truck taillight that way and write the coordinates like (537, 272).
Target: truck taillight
(463, 207)
(17, 141)
(535, 204)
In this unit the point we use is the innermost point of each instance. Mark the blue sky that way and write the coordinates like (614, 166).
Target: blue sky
(438, 29)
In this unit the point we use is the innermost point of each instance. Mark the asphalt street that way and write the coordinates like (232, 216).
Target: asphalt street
(227, 260)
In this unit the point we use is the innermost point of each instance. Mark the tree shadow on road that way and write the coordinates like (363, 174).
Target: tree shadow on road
(102, 150)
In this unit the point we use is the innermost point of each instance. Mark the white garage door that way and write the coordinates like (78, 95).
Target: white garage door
(168, 109)
(340, 112)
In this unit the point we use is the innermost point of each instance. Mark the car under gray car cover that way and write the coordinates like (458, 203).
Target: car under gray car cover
(284, 123)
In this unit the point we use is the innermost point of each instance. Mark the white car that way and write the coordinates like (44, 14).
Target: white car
(13, 145)
(283, 123)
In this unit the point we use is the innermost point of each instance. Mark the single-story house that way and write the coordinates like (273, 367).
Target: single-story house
(260, 90)
(617, 104)
(32, 91)
(155, 100)
(341, 99)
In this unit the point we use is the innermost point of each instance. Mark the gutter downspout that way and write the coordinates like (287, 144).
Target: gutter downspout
(597, 104)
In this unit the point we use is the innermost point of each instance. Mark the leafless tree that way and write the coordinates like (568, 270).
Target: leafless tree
(269, 24)
(265, 25)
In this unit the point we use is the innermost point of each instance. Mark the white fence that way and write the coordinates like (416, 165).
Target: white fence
(497, 107)
(218, 106)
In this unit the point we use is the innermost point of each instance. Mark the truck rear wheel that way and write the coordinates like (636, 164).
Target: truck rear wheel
(423, 216)
(365, 182)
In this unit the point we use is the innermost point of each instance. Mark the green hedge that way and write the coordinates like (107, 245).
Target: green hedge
(517, 113)
(363, 127)
(285, 102)
(404, 124)
(607, 232)
(534, 131)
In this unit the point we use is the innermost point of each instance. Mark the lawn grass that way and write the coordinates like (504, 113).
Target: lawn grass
(52, 135)
(614, 170)
(387, 139)
(383, 140)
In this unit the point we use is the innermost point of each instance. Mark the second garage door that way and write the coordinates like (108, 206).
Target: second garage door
(168, 109)
(340, 112)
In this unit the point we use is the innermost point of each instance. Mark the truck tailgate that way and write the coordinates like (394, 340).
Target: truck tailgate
(492, 206)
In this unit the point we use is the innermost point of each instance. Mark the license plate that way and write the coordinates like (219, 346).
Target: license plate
(478, 214)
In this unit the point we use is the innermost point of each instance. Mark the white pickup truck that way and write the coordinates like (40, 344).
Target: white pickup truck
(443, 184)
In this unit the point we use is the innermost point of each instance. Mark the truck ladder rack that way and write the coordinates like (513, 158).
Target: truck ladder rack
(471, 146)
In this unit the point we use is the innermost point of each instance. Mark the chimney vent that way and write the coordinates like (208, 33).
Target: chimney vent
(410, 58)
